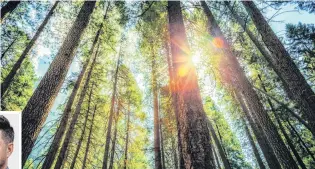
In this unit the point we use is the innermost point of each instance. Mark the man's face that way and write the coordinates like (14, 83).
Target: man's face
(5, 150)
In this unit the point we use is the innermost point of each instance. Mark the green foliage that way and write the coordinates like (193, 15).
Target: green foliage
(225, 134)
(301, 39)
(22, 86)
(21, 89)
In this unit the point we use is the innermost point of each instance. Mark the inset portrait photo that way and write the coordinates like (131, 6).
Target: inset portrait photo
(10, 140)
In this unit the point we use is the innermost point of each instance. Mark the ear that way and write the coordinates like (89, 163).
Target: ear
(10, 149)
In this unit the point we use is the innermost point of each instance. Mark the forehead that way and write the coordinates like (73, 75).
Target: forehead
(1, 134)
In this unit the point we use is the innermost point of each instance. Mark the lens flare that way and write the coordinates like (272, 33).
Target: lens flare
(183, 70)
(218, 42)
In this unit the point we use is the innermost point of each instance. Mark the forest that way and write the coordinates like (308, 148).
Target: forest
(161, 84)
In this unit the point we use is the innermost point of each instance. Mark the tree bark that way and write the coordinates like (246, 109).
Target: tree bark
(174, 97)
(236, 78)
(8, 8)
(191, 115)
(68, 137)
(111, 162)
(89, 139)
(222, 154)
(260, 137)
(39, 105)
(9, 78)
(162, 145)
(111, 115)
(175, 158)
(157, 140)
(216, 159)
(83, 131)
(127, 138)
(282, 129)
(301, 141)
(253, 145)
(294, 83)
(289, 141)
(50, 156)
(285, 106)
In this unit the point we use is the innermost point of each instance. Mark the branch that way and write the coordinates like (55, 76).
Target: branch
(146, 9)
(285, 107)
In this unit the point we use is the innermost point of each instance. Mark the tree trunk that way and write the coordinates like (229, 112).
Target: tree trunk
(162, 145)
(111, 115)
(8, 8)
(39, 105)
(301, 141)
(83, 132)
(191, 115)
(216, 159)
(282, 129)
(253, 145)
(89, 138)
(127, 138)
(223, 156)
(174, 96)
(7, 49)
(285, 106)
(260, 137)
(68, 137)
(50, 156)
(9, 78)
(294, 83)
(111, 162)
(157, 140)
(236, 77)
(175, 158)
(289, 141)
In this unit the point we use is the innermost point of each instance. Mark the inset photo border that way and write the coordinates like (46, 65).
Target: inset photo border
(15, 120)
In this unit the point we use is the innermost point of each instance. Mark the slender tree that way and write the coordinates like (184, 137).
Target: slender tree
(64, 120)
(69, 135)
(8, 8)
(216, 159)
(111, 162)
(174, 150)
(192, 118)
(301, 140)
(223, 156)
(9, 78)
(7, 49)
(289, 141)
(254, 148)
(260, 137)
(87, 148)
(111, 114)
(39, 105)
(295, 84)
(83, 131)
(263, 51)
(242, 85)
(157, 139)
(162, 145)
(127, 137)
(221, 141)
(282, 129)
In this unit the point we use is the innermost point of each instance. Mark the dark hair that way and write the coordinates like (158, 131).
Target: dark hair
(7, 130)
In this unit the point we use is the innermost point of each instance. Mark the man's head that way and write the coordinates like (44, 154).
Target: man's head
(6, 141)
